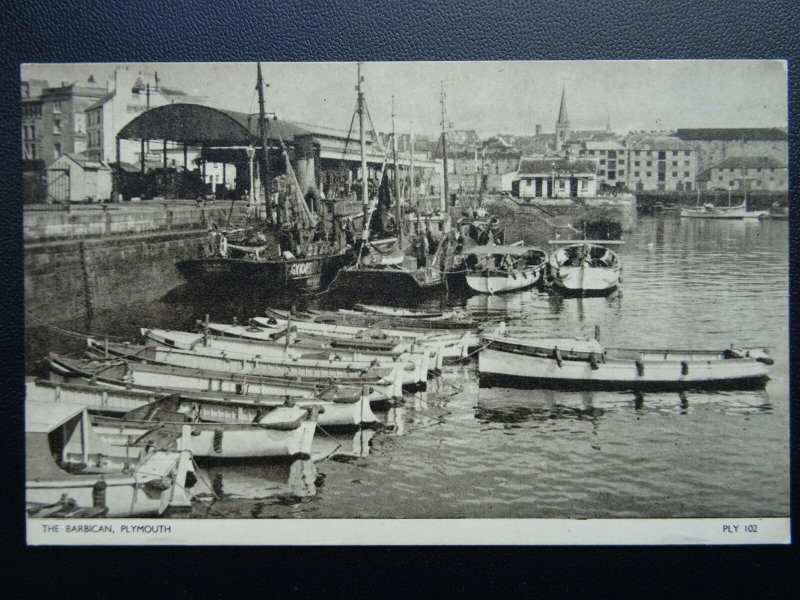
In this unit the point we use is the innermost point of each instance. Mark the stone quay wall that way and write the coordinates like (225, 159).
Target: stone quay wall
(87, 259)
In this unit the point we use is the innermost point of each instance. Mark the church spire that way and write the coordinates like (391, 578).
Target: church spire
(563, 119)
(562, 125)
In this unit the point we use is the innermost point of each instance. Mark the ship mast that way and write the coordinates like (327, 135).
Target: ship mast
(446, 187)
(262, 129)
(398, 201)
(412, 192)
(364, 190)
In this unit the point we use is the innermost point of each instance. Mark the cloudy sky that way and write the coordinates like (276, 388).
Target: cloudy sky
(490, 97)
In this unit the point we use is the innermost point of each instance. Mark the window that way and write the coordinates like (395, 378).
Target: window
(686, 173)
(686, 152)
(602, 161)
(730, 183)
(601, 172)
(24, 132)
(649, 163)
(612, 154)
(637, 152)
(686, 163)
(612, 174)
(720, 177)
(584, 185)
(602, 152)
(621, 172)
(57, 107)
(688, 186)
(56, 150)
(662, 155)
(758, 183)
(674, 153)
(621, 161)
(636, 173)
(674, 163)
(561, 184)
(637, 163)
(33, 132)
(674, 173)
(57, 126)
(591, 152)
(649, 174)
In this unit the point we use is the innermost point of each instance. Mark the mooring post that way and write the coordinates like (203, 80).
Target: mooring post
(106, 347)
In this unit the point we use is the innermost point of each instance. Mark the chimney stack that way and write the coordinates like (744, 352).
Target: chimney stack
(538, 129)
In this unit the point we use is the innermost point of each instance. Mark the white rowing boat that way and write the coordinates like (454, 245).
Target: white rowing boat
(508, 361)
(67, 462)
(344, 405)
(585, 268)
(497, 269)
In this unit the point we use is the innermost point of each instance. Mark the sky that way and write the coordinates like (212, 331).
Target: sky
(489, 97)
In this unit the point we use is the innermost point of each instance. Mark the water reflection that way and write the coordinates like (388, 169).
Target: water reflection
(284, 480)
(342, 446)
(518, 406)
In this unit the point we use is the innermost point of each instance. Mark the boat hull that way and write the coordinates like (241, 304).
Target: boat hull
(312, 273)
(506, 369)
(209, 440)
(585, 281)
(499, 284)
(389, 281)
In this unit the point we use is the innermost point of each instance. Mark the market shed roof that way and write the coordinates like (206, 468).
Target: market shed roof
(196, 124)
(536, 166)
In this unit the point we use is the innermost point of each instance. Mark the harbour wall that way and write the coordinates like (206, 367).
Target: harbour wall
(86, 259)
(537, 222)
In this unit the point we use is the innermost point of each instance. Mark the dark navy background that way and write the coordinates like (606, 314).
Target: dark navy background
(236, 30)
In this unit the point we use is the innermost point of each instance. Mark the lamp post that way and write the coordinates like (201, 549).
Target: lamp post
(251, 152)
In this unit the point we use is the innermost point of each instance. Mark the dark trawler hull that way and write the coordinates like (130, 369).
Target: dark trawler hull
(369, 281)
(311, 273)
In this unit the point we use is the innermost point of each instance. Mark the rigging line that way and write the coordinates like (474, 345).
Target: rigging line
(77, 334)
(349, 131)
(374, 131)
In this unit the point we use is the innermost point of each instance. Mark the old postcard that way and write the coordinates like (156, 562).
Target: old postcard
(328, 303)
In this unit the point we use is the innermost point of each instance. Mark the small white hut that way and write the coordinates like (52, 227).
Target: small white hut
(75, 178)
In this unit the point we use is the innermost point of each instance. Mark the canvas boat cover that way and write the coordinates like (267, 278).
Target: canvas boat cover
(494, 250)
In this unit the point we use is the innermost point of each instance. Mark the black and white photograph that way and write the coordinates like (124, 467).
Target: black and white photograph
(487, 298)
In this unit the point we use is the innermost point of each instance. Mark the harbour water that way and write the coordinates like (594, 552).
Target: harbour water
(457, 451)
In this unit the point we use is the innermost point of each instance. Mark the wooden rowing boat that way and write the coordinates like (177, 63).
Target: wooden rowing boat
(68, 462)
(585, 268)
(284, 432)
(344, 405)
(497, 269)
(387, 378)
(507, 361)
(422, 360)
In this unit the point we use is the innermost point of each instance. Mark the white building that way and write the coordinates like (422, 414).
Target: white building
(548, 178)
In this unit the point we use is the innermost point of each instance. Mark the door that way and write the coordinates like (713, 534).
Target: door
(515, 188)
(573, 187)
(538, 187)
(58, 187)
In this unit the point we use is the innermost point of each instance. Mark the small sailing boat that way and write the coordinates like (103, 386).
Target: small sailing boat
(496, 269)
(585, 267)
(712, 211)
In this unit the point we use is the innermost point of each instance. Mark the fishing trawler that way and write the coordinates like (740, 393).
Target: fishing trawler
(394, 253)
(292, 248)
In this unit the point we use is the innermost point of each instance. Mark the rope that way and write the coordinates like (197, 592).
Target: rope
(338, 445)
(76, 334)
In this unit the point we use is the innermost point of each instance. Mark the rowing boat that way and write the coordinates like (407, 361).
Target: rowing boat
(423, 360)
(585, 268)
(345, 405)
(68, 462)
(498, 269)
(285, 432)
(508, 361)
(389, 378)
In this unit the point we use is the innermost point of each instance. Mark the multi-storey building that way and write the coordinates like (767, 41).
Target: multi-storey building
(63, 124)
(664, 163)
(31, 105)
(612, 161)
(750, 173)
(129, 94)
(715, 145)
